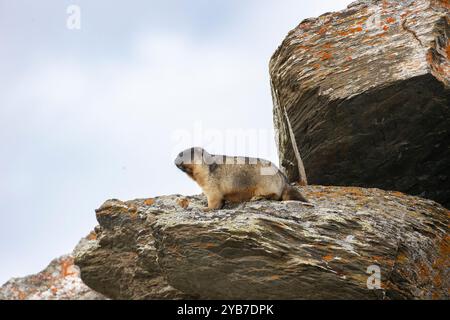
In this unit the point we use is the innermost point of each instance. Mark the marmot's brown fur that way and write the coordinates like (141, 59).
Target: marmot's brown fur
(235, 179)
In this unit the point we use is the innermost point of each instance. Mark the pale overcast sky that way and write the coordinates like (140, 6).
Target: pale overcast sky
(97, 113)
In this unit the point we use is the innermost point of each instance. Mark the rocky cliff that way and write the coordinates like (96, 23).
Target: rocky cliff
(168, 248)
(361, 97)
(59, 281)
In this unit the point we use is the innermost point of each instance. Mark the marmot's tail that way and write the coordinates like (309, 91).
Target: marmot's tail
(290, 193)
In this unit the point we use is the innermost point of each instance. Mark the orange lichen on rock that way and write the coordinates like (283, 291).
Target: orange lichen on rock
(303, 47)
(444, 3)
(66, 267)
(353, 191)
(361, 21)
(404, 14)
(132, 211)
(377, 258)
(92, 235)
(351, 31)
(443, 261)
(149, 202)
(317, 194)
(424, 271)
(397, 193)
(447, 50)
(390, 20)
(402, 258)
(183, 202)
(22, 295)
(207, 245)
(326, 56)
(322, 30)
(328, 258)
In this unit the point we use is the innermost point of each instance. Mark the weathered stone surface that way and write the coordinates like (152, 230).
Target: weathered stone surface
(59, 281)
(167, 247)
(122, 263)
(366, 94)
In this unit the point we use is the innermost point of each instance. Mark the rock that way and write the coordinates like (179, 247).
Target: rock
(363, 96)
(122, 263)
(59, 281)
(169, 248)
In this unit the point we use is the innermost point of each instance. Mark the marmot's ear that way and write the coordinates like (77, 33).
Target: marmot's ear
(213, 166)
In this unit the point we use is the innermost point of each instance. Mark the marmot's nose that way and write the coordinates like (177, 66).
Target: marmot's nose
(180, 165)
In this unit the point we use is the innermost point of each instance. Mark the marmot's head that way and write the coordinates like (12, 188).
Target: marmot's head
(191, 159)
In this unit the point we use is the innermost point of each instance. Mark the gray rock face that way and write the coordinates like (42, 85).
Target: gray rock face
(365, 92)
(168, 248)
(59, 281)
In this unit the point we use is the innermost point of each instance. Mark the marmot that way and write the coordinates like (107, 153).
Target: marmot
(235, 179)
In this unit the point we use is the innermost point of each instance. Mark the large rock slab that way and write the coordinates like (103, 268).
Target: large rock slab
(361, 97)
(168, 248)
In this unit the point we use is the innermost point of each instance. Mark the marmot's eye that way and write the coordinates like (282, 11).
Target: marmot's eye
(180, 154)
